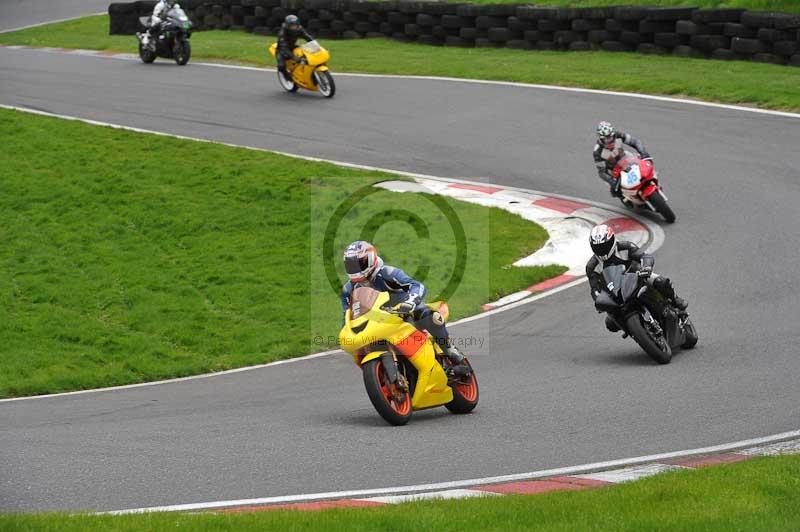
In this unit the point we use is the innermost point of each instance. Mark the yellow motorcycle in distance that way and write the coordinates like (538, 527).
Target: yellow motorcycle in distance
(404, 369)
(308, 69)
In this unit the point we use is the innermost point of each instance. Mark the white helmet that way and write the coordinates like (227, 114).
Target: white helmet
(603, 241)
(605, 131)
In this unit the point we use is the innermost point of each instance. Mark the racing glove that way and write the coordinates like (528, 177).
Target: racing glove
(615, 190)
(407, 306)
(645, 272)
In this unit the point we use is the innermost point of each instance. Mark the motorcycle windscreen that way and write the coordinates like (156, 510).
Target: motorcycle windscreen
(612, 280)
(311, 47)
(630, 285)
(362, 300)
(627, 160)
(177, 14)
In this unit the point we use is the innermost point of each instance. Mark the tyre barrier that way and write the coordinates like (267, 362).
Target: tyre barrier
(723, 34)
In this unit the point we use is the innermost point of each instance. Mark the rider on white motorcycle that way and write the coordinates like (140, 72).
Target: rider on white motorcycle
(609, 149)
(159, 15)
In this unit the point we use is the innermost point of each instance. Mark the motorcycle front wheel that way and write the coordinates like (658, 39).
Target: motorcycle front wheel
(657, 348)
(287, 83)
(465, 393)
(182, 51)
(691, 335)
(663, 208)
(145, 54)
(325, 84)
(383, 396)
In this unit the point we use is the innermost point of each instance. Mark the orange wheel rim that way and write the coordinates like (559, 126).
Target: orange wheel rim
(468, 390)
(401, 407)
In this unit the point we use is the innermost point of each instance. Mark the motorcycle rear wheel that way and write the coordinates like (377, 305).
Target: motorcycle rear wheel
(379, 390)
(660, 353)
(287, 83)
(691, 335)
(145, 54)
(465, 394)
(661, 205)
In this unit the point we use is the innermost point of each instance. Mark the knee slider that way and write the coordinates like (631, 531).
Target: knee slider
(437, 318)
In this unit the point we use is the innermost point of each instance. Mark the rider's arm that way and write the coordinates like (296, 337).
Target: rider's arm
(347, 291)
(634, 253)
(600, 164)
(397, 281)
(282, 45)
(305, 35)
(591, 266)
(634, 142)
(158, 10)
(595, 278)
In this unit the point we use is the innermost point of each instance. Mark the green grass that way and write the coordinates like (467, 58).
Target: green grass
(128, 257)
(755, 5)
(740, 82)
(754, 496)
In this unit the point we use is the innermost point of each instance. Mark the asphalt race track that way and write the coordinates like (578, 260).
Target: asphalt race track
(556, 390)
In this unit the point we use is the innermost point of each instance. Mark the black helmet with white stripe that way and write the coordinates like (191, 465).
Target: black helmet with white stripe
(603, 241)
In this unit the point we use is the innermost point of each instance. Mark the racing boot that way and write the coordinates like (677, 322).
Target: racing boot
(664, 285)
(459, 369)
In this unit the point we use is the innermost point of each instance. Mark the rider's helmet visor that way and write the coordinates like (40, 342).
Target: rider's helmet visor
(356, 265)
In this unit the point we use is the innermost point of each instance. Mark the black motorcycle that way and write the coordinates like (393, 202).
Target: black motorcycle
(173, 40)
(643, 313)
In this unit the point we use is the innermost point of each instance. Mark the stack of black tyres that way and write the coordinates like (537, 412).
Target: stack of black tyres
(688, 32)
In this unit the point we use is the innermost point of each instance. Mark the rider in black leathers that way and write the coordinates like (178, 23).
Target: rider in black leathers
(608, 251)
(290, 31)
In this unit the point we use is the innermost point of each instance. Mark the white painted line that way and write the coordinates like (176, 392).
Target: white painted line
(636, 95)
(51, 22)
(657, 237)
(446, 494)
(465, 484)
(630, 473)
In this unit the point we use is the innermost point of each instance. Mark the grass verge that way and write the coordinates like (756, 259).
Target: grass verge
(757, 495)
(739, 82)
(128, 257)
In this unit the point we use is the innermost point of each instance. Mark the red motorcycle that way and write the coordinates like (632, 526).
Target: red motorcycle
(639, 185)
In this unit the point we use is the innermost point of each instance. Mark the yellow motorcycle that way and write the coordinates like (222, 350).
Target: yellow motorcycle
(404, 369)
(308, 69)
